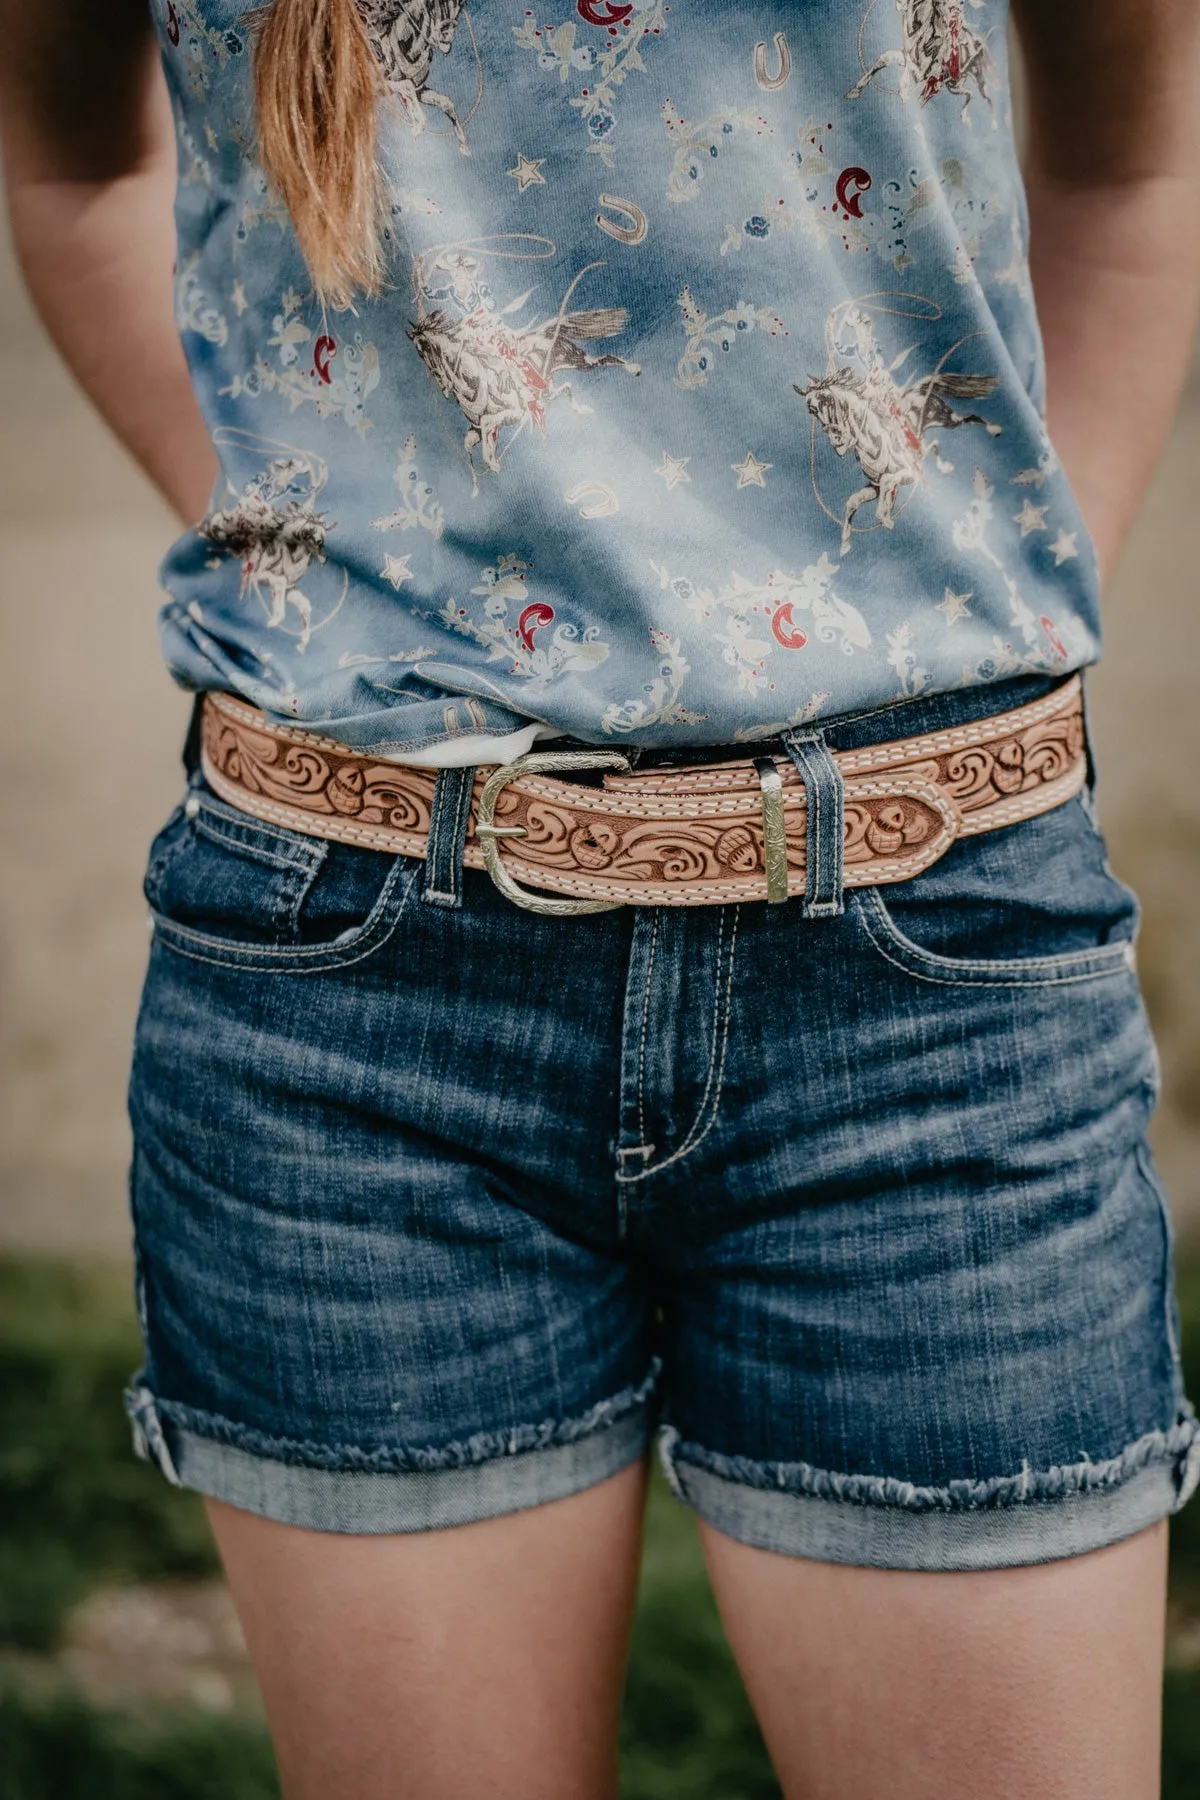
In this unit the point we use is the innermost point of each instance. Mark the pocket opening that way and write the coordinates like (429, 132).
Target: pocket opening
(1034, 903)
(224, 887)
(930, 965)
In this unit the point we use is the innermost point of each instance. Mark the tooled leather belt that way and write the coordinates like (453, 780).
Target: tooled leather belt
(711, 834)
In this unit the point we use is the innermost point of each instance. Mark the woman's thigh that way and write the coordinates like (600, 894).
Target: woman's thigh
(483, 1660)
(390, 1332)
(1043, 1680)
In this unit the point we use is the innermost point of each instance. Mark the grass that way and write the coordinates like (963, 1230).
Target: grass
(77, 1511)
(59, 1748)
(687, 1732)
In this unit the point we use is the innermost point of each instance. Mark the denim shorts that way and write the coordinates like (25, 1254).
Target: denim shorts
(445, 1211)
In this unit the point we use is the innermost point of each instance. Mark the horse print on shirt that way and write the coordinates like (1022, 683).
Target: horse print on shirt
(502, 375)
(406, 36)
(939, 51)
(866, 412)
(274, 528)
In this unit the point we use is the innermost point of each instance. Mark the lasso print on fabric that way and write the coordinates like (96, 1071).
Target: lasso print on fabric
(704, 398)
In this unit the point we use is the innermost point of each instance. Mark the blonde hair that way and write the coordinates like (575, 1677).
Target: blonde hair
(317, 84)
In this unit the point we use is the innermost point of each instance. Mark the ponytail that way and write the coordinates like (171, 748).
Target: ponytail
(316, 85)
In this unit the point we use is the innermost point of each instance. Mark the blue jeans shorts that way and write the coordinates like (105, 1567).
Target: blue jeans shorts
(446, 1210)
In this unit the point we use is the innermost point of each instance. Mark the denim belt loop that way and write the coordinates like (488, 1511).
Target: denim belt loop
(450, 815)
(825, 795)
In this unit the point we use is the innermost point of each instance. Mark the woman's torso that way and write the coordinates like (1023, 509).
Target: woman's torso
(706, 399)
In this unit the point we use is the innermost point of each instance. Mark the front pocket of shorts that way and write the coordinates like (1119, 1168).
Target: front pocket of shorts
(225, 888)
(1033, 905)
(928, 965)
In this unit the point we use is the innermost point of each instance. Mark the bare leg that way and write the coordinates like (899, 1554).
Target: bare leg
(876, 1682)
(485, 1661)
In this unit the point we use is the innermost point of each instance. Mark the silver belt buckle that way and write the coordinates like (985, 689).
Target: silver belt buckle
(490, 835)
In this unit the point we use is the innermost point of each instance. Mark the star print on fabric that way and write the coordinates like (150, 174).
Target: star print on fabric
(954, 607)
(674, 469)
(396, 570)
(1030, 518)
(240, 302)
(1064, 548)
(751, 473)
(527, 173)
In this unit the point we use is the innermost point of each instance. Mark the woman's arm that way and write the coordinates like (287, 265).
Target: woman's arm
(89, 169)
(1114, 195)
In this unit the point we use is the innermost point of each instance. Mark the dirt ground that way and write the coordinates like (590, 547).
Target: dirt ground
(90, 728)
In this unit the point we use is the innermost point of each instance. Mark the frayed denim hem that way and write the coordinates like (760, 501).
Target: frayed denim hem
(391, 1490)
(149, 1413)
(878, 1522)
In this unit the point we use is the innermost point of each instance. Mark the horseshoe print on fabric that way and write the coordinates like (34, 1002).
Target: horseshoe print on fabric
(632, 233)
(771, 84)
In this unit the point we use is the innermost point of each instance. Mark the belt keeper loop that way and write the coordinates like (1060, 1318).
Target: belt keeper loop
(449, 817)
(825, 824)
(774, 829)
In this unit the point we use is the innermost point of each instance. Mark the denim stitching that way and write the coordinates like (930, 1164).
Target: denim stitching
(1024, 1487)
(306, 862)
(161, 860)
(716, 1065)
(833, 827)
(482, 1446)
(1112, 959)
(642, 1145)
(1059, 958)
(816, 832)
(814, 761)
(445, 896)
(1168, 1231)
(238, 837)
(303, 959)
(226, 823)
(712, 1055)
(435, 828)
(949, 737)
(1057, 697)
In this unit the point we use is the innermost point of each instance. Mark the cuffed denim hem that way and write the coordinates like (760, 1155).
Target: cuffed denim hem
(393, 1500)
(875, 1523)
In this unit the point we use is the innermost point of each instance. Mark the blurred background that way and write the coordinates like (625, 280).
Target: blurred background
(122, 1671)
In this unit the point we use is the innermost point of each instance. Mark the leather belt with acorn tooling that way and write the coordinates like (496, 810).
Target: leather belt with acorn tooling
(694, 836)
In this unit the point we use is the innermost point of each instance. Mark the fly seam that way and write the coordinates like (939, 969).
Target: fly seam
(645, 1028)
(716, 1066)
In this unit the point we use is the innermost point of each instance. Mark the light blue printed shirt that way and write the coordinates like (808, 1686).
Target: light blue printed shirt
(706, 398)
